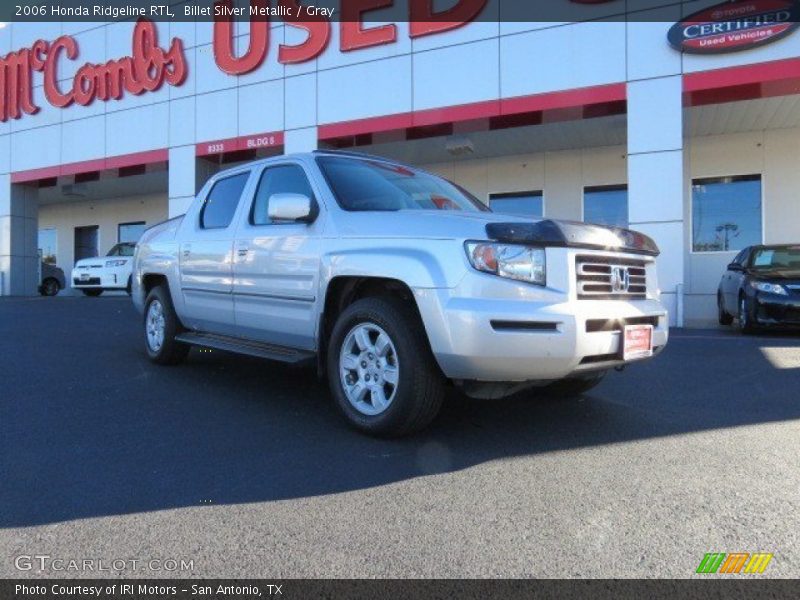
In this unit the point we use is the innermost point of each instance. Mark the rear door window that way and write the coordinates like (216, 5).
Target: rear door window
(222, 200)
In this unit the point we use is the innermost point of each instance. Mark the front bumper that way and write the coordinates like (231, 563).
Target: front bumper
(100, 279)
(513, 340)
(772, 310)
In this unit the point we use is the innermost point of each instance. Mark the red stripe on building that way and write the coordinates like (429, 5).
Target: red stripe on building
(748, 82)
(369, 125)
(455, 114)
(577, 98)
(536, 103)
(88, 166)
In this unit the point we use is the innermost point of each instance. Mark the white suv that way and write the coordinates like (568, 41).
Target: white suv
(110, 272)
(395, 281)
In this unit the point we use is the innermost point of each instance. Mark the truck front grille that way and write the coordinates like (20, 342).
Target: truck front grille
(610, 278)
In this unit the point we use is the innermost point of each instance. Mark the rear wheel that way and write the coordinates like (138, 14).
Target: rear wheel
(723, 316)
(50, 287)
(161, 325)
(92, 293)
(381, 371)
(576, 386)
(128, 287)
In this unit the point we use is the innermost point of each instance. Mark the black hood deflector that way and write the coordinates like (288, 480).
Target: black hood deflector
(573, 234)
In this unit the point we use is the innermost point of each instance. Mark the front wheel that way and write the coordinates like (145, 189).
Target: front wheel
(381, 371)
(161, 325)
(746, 319)
(567, 388)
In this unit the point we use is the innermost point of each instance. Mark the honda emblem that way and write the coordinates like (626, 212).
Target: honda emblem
(620, 279)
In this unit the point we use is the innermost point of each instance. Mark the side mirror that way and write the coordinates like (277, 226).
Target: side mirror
(735, 267)
(292, 207)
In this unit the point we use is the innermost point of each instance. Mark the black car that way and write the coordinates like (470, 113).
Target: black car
(761, 288)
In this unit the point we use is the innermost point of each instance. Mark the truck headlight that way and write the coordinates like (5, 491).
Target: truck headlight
(769, 288)
(508, 260)
(115, 263)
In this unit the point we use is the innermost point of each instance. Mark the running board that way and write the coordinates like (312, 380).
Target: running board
(251, 348)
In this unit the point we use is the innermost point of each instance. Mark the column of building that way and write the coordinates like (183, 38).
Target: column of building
(656, 162)
(19, 258)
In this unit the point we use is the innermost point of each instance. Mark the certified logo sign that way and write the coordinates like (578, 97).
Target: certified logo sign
(734, 26)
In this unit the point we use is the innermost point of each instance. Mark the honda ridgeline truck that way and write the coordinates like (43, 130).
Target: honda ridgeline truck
(396, 282)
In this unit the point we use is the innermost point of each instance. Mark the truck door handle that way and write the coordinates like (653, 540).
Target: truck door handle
(243, 251)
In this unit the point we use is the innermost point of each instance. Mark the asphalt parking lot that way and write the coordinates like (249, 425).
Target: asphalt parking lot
(244, 467)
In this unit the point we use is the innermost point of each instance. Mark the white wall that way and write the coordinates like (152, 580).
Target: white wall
(105, 213)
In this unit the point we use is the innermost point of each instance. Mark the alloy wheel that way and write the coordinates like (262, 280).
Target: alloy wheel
(369, 369)
(155, 325)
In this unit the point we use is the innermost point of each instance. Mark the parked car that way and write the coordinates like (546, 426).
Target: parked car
(93, 276)
(52, 280)
(761, 288)
(395, 281)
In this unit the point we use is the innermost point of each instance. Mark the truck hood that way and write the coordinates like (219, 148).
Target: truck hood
(437, 224)
(424, 224)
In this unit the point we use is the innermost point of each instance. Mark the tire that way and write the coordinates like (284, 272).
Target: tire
(569, 388)
(401, 403)
(160, 326)
(129, 286)
(746, 319)
(92, 293)
(50, 287)
(722, 315)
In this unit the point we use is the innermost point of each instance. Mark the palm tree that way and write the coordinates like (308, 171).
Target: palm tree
(727, 229)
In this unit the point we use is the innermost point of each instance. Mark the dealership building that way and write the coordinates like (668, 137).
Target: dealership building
(687, 132)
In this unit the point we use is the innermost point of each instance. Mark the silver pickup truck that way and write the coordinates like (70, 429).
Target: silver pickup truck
(396, 282)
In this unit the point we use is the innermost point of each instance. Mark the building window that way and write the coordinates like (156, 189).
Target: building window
(726, 213)
(47, 245)
(519, 204)
(222, 200)
(130, 232)
(606, 205)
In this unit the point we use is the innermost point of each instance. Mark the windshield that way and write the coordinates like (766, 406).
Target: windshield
(122, 250)
(364, 185)
(777, 258)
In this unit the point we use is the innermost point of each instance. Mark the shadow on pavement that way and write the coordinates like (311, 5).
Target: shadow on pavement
(89, 428)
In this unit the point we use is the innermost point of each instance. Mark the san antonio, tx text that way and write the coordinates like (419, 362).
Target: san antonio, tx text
(60, 589)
